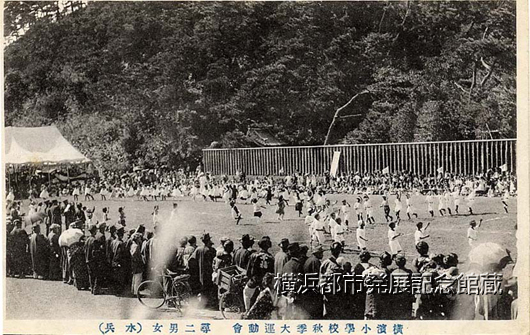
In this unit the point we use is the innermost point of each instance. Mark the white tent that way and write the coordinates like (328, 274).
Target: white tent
(39, 146)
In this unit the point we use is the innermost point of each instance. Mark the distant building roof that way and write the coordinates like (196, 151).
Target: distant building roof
(263, 138)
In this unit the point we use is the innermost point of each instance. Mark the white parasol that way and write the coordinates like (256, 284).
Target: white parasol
(487, 256)
(70, 236)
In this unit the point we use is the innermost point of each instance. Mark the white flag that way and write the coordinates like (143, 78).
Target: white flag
(440, 169)
(335, 164)
(386, 170)
(504, 167)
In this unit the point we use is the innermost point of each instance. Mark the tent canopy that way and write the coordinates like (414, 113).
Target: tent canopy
(40, 145)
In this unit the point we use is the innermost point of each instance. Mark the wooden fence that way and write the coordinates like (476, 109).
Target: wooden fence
(461, 157)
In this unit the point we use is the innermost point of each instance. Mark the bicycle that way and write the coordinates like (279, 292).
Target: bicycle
(231, 282)
(171, 289)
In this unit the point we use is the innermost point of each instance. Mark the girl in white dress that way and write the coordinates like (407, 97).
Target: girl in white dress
(398, 205)
(194, 192)
(358, 209)
(176, 192)
(361, 235)
(103, 193)
(368, 209)
(448, 200)
(257, 209)
(131, 192)
(393, 236)
(88, 192)
(243, 194)
(471, 201)
(345, 211)
(76, 192)
(456, 199)
(144, 193)
(410, 209)
(44, 193)
(155, 193)
(441, 204)
(505, 198)
(429, 200)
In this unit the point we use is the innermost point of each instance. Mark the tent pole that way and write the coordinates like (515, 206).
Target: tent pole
(68, 174)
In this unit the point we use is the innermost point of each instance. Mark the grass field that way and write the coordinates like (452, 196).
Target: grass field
(448, 233)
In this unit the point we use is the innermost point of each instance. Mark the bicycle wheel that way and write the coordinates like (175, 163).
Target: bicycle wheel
(231, 305)
(182, 292)
(151, 294)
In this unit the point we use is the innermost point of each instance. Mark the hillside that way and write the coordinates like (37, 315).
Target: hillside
(153, 83)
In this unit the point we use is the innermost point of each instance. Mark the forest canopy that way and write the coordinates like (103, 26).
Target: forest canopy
(153, 83)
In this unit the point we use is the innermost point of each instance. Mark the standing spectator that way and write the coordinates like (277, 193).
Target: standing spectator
(94, 258)
(39, 250)
(188, 251)
(137, 264)
(55, 253)
(312, 300)
(402, 302)
(332, 301)
(281, 257)
(55, 210)
(259, 264)
(119, 258)
(223, 258)
(202, 268)
(19, 247)
(77, 262)
(359, 296)
(242, 255)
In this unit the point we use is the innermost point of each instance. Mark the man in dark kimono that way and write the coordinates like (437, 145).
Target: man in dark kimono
(105, 268)
(55, 214)
(40, 253)
(281, 257)
(19, 249)
(242, 255)
(190, 249)
(94, 257)
(312, 299)
(55, 253)
(259, 264)
(332, 301)
(293, 270)
(204, 256)
(49, 214)
(119, 258)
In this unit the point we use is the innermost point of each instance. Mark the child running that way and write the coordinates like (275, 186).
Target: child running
(361, 235)
(280, 207)
(386, 209)
(393, 235)
(410, 209)
(235, 212)
(504, 200)
(398, 205)
(257, 209)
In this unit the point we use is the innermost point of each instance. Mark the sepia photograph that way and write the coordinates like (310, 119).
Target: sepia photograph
(272, 166)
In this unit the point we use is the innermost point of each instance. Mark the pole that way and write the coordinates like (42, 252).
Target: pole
(68, 175)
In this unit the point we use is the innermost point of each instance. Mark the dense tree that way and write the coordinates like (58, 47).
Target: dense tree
(153, 83)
